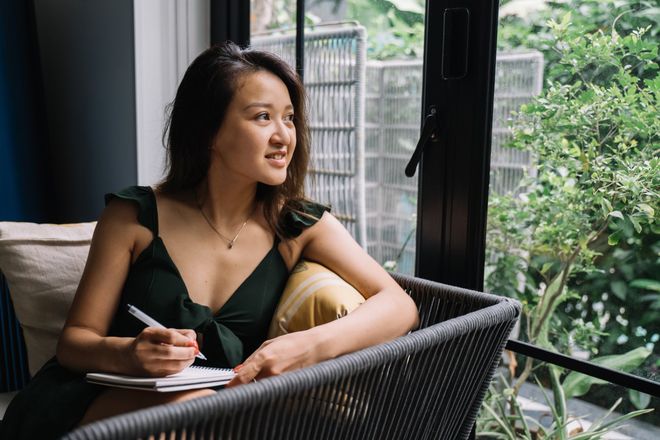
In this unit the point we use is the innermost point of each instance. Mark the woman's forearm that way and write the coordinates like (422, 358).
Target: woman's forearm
(81, 349)
(380, 318)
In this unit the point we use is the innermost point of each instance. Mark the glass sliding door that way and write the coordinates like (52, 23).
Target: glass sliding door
(363, 73)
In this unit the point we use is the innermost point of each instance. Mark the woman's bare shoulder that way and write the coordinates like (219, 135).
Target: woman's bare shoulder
(119, 212)
(118, 225)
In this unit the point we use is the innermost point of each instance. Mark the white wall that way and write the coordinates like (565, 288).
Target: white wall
(169, 34)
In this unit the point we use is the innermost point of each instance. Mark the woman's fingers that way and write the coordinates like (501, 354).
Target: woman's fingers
(275, 356)
(173, 352)
(160, 351)
(169, 336)
(188, 333)
(245, 373)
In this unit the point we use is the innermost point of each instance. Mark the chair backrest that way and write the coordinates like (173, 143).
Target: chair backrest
(334, 79)
(428, 384)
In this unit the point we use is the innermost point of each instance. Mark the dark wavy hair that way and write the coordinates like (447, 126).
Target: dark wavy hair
(199, 110)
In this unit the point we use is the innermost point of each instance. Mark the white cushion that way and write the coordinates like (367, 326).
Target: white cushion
(43, 264)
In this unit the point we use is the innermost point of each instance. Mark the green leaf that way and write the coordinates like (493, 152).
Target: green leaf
(606, 204)
(598, 429)
(613, 238)
(546, 267)
(620, 289)
(635, 223)
(640, 400)
(616, 214)
(647, 209)
(646, 284)
(505, 426)
(408, 6)
(577, 384)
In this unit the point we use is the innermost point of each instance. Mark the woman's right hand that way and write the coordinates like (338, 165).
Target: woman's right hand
(158, 352)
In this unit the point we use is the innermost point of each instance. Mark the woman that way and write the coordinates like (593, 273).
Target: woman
(208, 253)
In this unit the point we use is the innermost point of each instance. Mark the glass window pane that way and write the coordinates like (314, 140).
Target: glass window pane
(363, 74)
(574, 188)
(268, 15)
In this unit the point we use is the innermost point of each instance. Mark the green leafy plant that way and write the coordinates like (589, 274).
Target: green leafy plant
(610, 310)
(595, 132)
(598, 171)
(577, 384)
(523, 23)
(504, 417)
(395, 28)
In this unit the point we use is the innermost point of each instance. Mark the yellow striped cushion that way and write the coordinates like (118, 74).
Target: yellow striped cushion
(313, 295)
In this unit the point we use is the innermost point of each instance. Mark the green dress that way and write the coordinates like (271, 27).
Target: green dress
(56, 398)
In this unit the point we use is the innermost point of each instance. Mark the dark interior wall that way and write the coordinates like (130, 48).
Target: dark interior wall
(86, 50)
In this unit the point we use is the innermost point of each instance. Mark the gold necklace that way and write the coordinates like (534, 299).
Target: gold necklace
(230, 243)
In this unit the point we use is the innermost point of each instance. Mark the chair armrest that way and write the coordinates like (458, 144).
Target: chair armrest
(437, 302)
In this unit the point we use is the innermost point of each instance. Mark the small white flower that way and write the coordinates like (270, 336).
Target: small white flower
(604, 320)
(389, 265)
(649, 346)
(640, 331)
(598, 307)
(541, 290)
(622, 339)
(655, 337)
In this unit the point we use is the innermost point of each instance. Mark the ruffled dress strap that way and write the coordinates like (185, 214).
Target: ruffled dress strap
(301, 216)
(146, 200)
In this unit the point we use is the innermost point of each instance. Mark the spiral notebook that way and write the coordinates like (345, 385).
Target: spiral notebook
(191, 378)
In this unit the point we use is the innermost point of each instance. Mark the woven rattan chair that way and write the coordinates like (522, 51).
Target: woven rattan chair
(428, 384)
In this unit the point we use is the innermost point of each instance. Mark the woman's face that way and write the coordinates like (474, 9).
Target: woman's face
(257, 138)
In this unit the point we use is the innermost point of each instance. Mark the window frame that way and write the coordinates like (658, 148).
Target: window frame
(454, 168)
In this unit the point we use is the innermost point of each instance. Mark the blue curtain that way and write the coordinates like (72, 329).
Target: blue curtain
(23, 181)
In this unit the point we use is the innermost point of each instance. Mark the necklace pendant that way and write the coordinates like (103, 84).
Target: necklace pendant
(230, 245)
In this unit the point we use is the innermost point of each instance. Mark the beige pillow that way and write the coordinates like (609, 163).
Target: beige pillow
(313, 295)
(43, 264)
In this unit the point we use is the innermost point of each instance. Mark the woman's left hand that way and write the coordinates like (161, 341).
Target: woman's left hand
(275, 356)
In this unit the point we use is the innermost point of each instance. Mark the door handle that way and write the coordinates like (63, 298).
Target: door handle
(429, 133)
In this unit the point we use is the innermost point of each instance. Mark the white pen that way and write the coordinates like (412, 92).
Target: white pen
(151, 322)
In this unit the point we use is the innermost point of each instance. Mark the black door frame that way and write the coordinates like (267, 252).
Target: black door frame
(459, 77)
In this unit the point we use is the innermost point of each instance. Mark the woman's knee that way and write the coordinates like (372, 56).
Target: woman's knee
(192, 394)
(114, 401)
